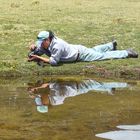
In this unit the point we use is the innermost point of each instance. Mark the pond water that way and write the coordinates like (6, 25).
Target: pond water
(69, 108)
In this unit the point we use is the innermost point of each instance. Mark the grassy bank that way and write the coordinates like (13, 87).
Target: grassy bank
(87, 22)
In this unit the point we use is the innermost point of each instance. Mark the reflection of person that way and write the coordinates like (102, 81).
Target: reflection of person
(41, 100)
(55, 93)
(59, 50)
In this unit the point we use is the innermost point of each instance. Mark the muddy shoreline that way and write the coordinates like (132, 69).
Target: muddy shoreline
(126, 73)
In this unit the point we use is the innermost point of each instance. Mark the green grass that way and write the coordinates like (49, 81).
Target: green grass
(87, 22)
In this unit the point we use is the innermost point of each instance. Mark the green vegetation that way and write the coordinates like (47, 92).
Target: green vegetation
(87, 22)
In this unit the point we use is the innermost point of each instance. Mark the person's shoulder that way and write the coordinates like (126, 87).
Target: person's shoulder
(59, 42)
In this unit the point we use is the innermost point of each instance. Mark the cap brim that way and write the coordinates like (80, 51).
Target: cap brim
(42, 109)
(38, 100)
(38, 43)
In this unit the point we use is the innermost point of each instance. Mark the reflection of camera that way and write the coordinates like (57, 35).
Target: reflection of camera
(35, 52)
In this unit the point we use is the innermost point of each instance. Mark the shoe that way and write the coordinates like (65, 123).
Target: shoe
(131, 53)
(114, 42)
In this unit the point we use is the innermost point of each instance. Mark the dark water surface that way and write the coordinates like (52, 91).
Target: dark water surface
(68, 109)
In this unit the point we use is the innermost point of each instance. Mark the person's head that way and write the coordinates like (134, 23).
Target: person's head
(42, 106)
(45, 98)
(44, 39)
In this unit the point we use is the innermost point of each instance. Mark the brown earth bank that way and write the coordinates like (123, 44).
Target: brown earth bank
(123, 72)
(98, 71)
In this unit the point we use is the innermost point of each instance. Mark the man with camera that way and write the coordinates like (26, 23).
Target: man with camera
(59, 50)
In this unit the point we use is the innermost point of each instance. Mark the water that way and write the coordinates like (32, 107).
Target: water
(68, 108)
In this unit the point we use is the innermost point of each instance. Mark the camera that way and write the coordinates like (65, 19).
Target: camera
(35, 51)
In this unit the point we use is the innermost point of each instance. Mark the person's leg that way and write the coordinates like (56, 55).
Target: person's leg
(115, 54)
(104, 47)
(90, 85)
(91, 55)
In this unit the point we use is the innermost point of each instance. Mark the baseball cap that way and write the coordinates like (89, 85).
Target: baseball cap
(40, 37)
(42, 109)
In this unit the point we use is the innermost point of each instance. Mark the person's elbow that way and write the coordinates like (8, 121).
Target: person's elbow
(53, 62)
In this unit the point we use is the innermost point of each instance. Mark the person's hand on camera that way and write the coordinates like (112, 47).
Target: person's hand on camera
(33, 57)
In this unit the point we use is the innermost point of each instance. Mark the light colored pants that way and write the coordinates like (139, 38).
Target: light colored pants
(101, 52)
(91, 85)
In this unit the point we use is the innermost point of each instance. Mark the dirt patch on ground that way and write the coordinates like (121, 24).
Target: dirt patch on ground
(123, 72)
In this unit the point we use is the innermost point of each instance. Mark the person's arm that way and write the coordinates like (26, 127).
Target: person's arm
(56, 54)
(54, 58)
(40, 87)
(41, 58)
(38, 50)
(34, 50)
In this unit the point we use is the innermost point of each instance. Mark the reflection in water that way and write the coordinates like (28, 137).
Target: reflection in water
(81, 117)
(54, 93)
(129, 127)
(130, 132)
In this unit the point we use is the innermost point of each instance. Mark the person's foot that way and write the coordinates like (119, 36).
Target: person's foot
(114, 42)
(131, 53)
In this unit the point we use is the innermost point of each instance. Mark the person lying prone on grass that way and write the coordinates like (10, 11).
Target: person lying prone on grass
(59, 50)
